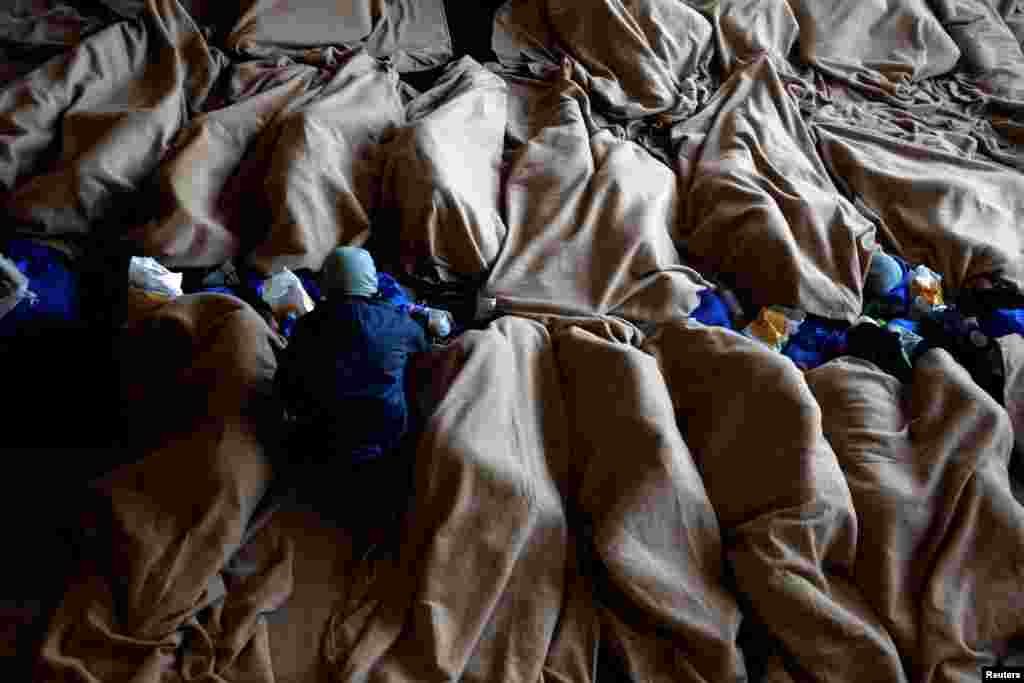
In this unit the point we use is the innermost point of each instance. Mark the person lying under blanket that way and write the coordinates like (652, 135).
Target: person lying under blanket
(342, 376)
(904, 316)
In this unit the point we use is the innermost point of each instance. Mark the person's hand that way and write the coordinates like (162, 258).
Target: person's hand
(278, 340)
(439, 323)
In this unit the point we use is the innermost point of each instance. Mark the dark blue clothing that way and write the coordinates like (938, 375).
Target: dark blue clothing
(342, 376)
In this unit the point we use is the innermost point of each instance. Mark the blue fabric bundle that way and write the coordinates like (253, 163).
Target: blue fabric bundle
(1003, 322)
(712, 310)
(55, 286)
(816, 342)
(896, 303)
(907, 324)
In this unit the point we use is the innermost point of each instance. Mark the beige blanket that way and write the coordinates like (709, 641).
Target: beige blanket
(961, 217)
(744, 29)
(789, 496)
(591, 217)
(791, 532)
(176, 575)
(201, 216)
(321, 166)
(604, 490)
(761, 207)
(635, 58)
(442, 176)
(287, 171)
(497, 441)
(882, 46)
(927, 468)
(993, 56)
(81, 133)
(411, 34)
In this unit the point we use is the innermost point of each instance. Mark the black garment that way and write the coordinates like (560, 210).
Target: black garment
(880, 346)
(999, 293)
(961, 336)
(342, 376)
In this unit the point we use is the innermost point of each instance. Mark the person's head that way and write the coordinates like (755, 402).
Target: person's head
(349, 271)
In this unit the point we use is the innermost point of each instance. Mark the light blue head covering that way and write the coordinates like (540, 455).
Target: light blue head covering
(349, 271)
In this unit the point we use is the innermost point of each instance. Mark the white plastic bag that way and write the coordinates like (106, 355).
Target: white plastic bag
(284, 293)
(13, 286)
(150, 275)
(925, 291)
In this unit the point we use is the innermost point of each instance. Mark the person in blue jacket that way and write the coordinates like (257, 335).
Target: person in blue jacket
(342, 375)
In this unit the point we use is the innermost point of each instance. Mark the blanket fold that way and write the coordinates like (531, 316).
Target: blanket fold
(442, 177)
(84, 130)
(760, 206)
(927, 468)
(590, 217)
(169, 582)
(791, 532)
(449, 606)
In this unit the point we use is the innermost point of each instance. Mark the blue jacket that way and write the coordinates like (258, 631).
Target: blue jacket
(342, 375)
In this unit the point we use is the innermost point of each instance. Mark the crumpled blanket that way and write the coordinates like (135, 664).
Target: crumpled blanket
(442, 177)
(590, 217)
(789, 526)
(635, 58)
(83, 131)
(881, 46)
(411, 34)
(992, 55)
(960, 216)
(941, 531)
(604, 489)
(322, 179)
(177, 575)
(745, 29)
(197, 191)
(758, 488)
(506, 384)
(761, 207)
